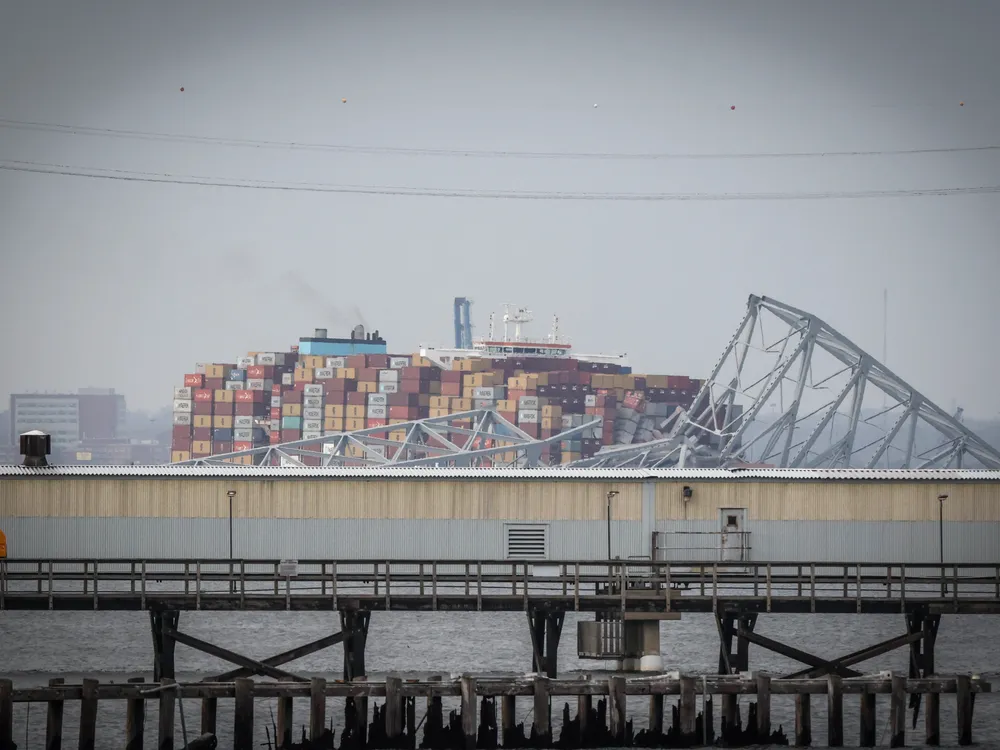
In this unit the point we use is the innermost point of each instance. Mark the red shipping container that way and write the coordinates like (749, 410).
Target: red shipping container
(369, 423)
(260, 372)
(357, 399)
(222, 408)
(378, 361)
(404, 399)
(335, 397)
(275, 412)
(194, 380)
(245, 409)
(181, 432)
(276, 389)
(412, 386)
(203, 394)
(291, 397)
(510, 416)
(310, 460)
(357, 361)
(531, 429)
(222, 447)
(202, 433)
(368, 375)
(451, 389)
(181, 444)
(243, 397)
(242, 446)
(449, 376)
(275, 437)
(202, 408)
(420, 373)
(288, 436)
(341, 384)
(402, 412)
(215, 384)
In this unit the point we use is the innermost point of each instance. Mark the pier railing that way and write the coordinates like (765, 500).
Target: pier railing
(496, 585)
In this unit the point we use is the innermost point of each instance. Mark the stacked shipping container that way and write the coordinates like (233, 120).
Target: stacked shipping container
(272, 398)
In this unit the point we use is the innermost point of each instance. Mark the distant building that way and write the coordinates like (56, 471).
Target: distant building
(89, 414)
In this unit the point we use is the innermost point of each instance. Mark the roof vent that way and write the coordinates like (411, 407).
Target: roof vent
(35, 446)
(320, 333)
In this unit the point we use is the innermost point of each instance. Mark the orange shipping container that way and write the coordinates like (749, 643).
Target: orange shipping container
(355, 412)
(367, 386)
(202, 420)
(347, 373)
(461, 404)
(350, 425)
(201, 446)
(176, 456)
(334, 410)
(439, 412)
(303, 375)
(222, 422)
(439, 402)
(333, 424)
(291, 410)
(225, 397)
(552, 411)
(215, 371)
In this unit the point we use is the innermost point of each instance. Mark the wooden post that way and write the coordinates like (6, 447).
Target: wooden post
(584, 705)
(135, 718)
(834, 711)
(411, 722)
(243, 715)
(543, 712)
(6, 714)
(470, 716)
(317, 708)
(868, 723)
(763, 707)
(394, 710)
(963, 696)
(932, 719)
(361, 706)
(286, 721)
(656, 714)
(803, 720)
(54, 720)
(688, 707)
(508, 717)
(167, 702)
(616, 709)
(730, 709)
(209, 715)
(897, 712)
(88, 716)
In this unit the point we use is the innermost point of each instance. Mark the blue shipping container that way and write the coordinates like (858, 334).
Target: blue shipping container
(237, 375)
(222, 436)
(291, 423)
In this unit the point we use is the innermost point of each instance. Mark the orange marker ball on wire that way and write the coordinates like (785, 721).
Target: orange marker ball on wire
(182, 89)
(961, 104)
(343, 101)
(732, 106)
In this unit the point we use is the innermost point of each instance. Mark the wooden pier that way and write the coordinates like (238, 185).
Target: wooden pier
(393, 721)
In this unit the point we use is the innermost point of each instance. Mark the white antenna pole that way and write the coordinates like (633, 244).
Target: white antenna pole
(885, 354)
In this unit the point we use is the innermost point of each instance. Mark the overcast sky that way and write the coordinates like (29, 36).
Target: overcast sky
(128, 284)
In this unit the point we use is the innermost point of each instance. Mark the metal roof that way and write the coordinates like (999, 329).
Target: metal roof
(295, 472)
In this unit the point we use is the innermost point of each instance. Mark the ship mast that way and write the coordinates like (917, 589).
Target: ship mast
(520, 316)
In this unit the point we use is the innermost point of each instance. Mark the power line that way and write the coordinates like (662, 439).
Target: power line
(166, 178)
(464, 153)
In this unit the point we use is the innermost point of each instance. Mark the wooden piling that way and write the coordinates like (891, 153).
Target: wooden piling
(361, 707)
(655, 714)
(897, 712)
(286, 721)
(411, 721)
(543, 711)
(584, 705)
(730, 710)
(6, 714)
(616, 708)
(88, 716)
(317, 708)
(963, 696)
(469, 713)
(803, 720)
(932, 719)
(688, 708)
(763, 707)
(54, 719)
(394, 710)
(135, 719)
(209, 715)
(508, 718)
(834, 711)
(708, 720)
(243, 715)
(165, 739)
(869, 730)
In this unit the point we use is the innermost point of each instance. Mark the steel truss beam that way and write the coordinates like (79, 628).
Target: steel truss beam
(824, 384)
(426, 443)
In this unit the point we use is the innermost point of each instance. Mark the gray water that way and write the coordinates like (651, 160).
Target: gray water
(113, 646)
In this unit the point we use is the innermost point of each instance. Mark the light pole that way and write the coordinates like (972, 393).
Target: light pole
(611, 494)
(231, 494)
(941, 499)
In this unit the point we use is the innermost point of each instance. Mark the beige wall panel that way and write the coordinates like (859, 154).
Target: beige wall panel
(831, 500)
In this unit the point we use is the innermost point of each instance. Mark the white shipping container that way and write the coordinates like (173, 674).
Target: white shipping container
(182, 418)
(243, 363)
(378, 450)
(528, 416)
(528, 403)
(377, 399)
(183, 405)
(329, 448)
(280, 359)
(275, 402)
(242, 423)
(388, 387)
(266, 358)
(335, 363)
(287, 378)
(312, 402)
(567, 421)
(590, 400)
(311, 425)
(312, 390)
(256, 384)
(489, 392)
(312, 413)
(312, 434)
(183, 394)
(378, 412)
(388, 376)
(397, 363)
(234, 385)
(323, 373)
(275, 425)
(200, 368)
(243, 435)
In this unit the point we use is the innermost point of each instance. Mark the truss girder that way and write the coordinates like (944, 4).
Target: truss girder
(426, 443)
(784, 441)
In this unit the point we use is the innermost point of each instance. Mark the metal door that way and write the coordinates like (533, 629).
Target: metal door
(732, 536)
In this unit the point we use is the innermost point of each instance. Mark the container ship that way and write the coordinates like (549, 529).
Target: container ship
(326, 386)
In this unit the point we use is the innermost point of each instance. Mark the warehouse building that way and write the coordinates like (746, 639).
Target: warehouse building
(386, 514)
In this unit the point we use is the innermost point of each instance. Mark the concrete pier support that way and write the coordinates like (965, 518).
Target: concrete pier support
(642, 638)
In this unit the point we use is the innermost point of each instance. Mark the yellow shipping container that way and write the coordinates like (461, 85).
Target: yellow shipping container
(202, 420)
(176, 456)
(201, 446)
(551, 423)
(350, 425)
(347, 373)
(434, 388)
(398, 421)
(313, 361)
(461, 404)
(367, 386)
(468, 392)
(439, 412)
(215, 371)
(334, 410)
(552, 411)
(303, 375)
(417, 361)
(224, 397)
(355, 412)
(291, 410)
(519, 383)
(333, 424)
(243, 460)
(222, 422)
(439, 402)
(398, 435)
